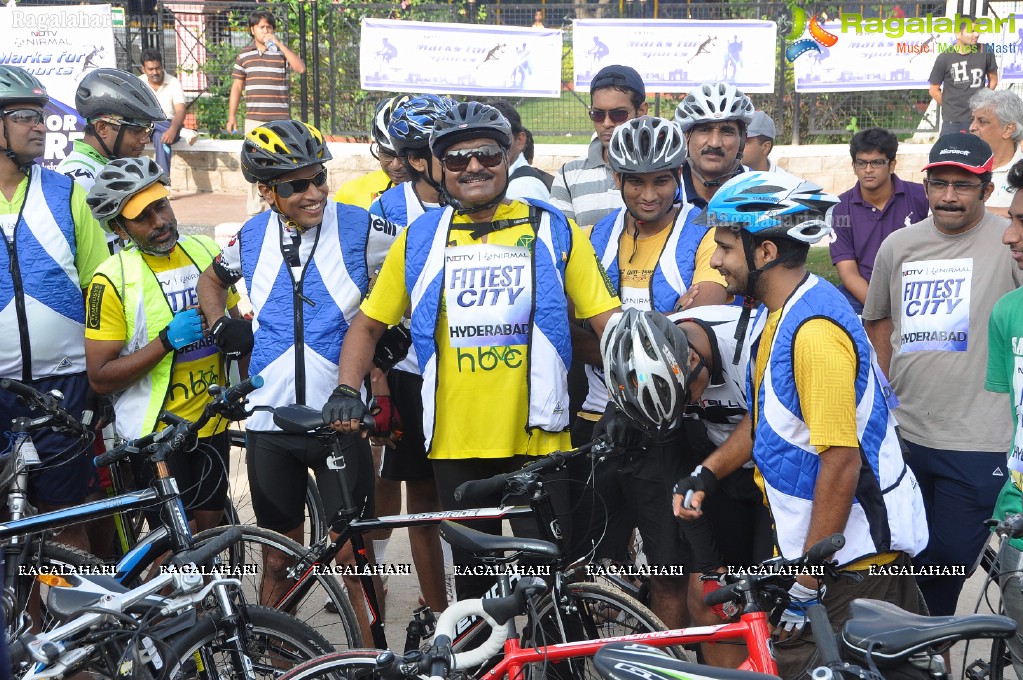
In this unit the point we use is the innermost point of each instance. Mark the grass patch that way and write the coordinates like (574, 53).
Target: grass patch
(819, 263)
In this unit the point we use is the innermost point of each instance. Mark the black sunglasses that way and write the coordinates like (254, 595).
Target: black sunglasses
(488, 157)
(617, 116)
(288, 188)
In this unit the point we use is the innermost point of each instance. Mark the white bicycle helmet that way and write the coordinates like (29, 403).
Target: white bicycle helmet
(646, 368)
(712, 102)
(646, 144)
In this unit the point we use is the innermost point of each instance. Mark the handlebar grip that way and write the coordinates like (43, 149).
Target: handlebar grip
(123, 451)
(480, 490)
(204, 553)
(18, 651)
(822, 551)
(720, 596)
(503, 609)
(823, 635)
(20, 389)
(242, 389)
(171, 419)
(1011, 526)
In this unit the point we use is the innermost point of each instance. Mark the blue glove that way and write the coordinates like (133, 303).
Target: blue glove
(183, 330)
(800, 598)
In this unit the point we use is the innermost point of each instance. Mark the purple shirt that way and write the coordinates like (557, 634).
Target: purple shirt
(860, 227)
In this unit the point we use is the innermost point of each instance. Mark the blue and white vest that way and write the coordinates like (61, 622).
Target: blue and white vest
(671, 278)
(335, 279)
(888, 511)
(549, 352)
(47, 285)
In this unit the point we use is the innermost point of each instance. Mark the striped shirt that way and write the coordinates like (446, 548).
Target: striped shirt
(584, 189)
(266, 83)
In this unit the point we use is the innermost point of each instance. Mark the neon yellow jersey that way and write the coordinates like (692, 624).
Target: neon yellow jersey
(481, 396)
(192, 371)
(362, 191)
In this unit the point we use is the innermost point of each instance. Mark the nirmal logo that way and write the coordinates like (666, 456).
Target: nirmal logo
(798, 44)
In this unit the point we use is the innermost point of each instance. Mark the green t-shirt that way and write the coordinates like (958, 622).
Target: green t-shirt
(1005, 374)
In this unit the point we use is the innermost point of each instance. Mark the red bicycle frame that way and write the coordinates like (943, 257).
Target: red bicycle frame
(752, 628)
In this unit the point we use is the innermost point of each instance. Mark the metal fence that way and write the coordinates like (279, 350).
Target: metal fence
(200, 39)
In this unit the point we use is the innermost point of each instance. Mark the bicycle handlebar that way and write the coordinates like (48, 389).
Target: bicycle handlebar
(1010, 527)
(48, 403)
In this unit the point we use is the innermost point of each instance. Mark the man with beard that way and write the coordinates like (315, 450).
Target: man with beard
(714, 119)
(145, 338)
(489, 282)
(931, 293)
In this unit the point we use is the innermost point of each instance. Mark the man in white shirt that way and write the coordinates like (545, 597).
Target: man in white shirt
(524, 181)
(168, 92)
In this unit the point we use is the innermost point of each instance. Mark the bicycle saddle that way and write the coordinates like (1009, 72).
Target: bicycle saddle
(298, 419)
(87, 590)
(479, 543)
(628, 660)
(893, 634)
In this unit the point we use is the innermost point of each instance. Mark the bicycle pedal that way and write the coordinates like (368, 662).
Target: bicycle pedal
(978, 670)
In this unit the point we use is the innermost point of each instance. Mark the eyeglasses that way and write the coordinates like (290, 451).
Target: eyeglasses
(287, 189)
(25, 116)
(381, 154)
(617, 116)
(133, 128)
(877, 163)
(487, 156)
(938, 186)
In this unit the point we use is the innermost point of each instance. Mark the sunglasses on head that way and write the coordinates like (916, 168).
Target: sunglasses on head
(288, 188)
(617, 116)
(487, 156)
(25, 116)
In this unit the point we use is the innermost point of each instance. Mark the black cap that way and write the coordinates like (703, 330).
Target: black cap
(621, 77)
(962, 150)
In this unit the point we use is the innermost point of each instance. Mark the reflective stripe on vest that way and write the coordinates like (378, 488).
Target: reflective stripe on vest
(549, 352)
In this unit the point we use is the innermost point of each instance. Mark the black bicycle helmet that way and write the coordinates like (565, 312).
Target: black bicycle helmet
(108, 91)
(469, 120)
(280, 146)
(646, 144)
(646, 368)
(18, 85)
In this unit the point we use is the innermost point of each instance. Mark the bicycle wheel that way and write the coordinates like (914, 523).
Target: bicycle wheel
(27, 596)
(247, 561)
(354, 664)
(591, 611)
(276, 642)
(239, 506)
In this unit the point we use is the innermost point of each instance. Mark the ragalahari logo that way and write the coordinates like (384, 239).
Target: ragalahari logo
(798, 44)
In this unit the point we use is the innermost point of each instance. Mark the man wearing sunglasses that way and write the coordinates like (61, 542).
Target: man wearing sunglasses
(120, 112)
(306, 263)
(489, 283)
(362, 191)
(584, 189)
(931, 292)
(52, 246)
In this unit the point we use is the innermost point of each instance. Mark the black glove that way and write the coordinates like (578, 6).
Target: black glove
(233, 337)
(624, 433)
(99, 410)
(345, 403)
(702, 479)
(392, 347)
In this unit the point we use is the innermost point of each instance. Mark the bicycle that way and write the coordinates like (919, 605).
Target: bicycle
(310, 575)
(137, 633)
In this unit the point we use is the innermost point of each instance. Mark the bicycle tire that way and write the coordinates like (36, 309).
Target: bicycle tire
(340, 628)
(353, 664)
(51, 555)
(603, 612)
(239, 505)
(276, 641)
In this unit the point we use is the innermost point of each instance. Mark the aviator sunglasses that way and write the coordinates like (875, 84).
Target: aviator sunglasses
(617, 116)
(288, 188)
(458, 161)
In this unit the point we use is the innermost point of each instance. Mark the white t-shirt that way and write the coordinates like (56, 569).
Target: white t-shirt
(526, 187)
(1001, 197)
(168, 94)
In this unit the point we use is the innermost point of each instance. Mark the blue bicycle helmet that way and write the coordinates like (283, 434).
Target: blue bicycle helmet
(412, 121)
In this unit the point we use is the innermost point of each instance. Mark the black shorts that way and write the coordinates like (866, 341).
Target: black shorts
(67, 475)
(407, 461)
(201, 475)
(278, 465)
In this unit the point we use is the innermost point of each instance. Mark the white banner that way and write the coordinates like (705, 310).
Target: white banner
(58, 45)
(678, 55)
(874, 60)
(417, 56)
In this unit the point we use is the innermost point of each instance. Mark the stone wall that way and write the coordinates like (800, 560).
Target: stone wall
(212, 165)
